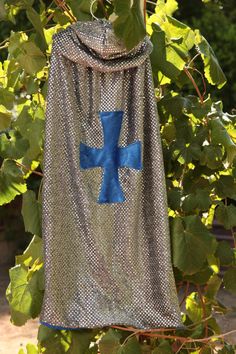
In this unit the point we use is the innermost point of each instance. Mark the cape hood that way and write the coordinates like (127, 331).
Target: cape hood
(94, 44)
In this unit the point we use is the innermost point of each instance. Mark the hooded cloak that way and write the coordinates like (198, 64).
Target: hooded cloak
(107, 252)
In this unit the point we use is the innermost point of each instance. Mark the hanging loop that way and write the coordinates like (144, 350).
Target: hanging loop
(91, 9)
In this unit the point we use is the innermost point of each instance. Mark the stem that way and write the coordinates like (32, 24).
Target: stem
(4, 46)
(151, 2)
(233, 235)
(103, 8)
(203, 308)
(192, 60)
(185, 293)
(231, 229)
(62, 5)
(144, 11)
(194, 83)
(203, 80)
(40, 188)
(29, 169)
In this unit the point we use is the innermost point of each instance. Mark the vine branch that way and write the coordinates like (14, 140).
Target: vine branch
(28, 169)
(63, 6)
(187, 72)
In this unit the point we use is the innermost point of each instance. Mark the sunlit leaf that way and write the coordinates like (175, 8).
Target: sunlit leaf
(213, 71)
(24, 295)
(11, 182)
(33, 252)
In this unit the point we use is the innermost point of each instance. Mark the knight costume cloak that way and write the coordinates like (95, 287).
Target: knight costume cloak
(107, 251)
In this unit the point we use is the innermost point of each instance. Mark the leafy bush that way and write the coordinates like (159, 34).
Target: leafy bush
(217, 21)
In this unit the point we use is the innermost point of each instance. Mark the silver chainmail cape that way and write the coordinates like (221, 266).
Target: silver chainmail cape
(105, 228)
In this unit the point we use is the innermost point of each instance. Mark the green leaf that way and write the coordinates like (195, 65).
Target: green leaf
(225, 187)
(21, 3)
(81, 9)
(212, 323)
(11, 182)
(192, 242)
(225, 253)
(174, 198)
(53, 341)
(189, 105)
(31, 59)
(194, 307)
(226, 215)
(169, 132)
(227, 349)
(211, 157)
(193, 180)
(5, 118)
(132, 346)
(213, 286)
(219, 135)
(31, 212)
(229, 280)
(60, 17)
(31, 349)
(164, 57)
(31, 128)
(7, 98)
(35, 19)
(13, 147)
(176, 30)
(24, 295)
(13, 73)
(169, 6)
(145, 348)
(198, 200)
(15, 41)
(129, 24)
(163, 348)
(80, 341)
(110, 342)
(32, 253)
(3, 12)
(213, 71)
(45, 333)
(200, 277)
(17, 318)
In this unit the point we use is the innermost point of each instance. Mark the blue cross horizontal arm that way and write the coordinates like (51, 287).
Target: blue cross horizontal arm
(90, 157)
(130, 156)
(111, 157)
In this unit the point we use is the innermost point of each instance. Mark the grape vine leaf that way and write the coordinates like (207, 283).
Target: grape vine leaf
(31, 212)
(192, 242)
(11, 182)
(213, 72)
(129, 24)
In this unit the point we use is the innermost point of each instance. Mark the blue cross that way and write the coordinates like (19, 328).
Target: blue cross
(111, 157)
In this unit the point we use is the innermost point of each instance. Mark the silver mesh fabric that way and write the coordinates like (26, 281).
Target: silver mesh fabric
(106, 263)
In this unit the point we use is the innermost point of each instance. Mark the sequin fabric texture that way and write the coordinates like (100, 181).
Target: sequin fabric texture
(105, 263)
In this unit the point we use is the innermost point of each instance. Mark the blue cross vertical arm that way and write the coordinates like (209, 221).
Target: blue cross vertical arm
(111, 157)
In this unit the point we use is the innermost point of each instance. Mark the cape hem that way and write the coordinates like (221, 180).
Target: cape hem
(181, 327)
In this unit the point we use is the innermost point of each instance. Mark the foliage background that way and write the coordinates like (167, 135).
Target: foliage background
(198, 138)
